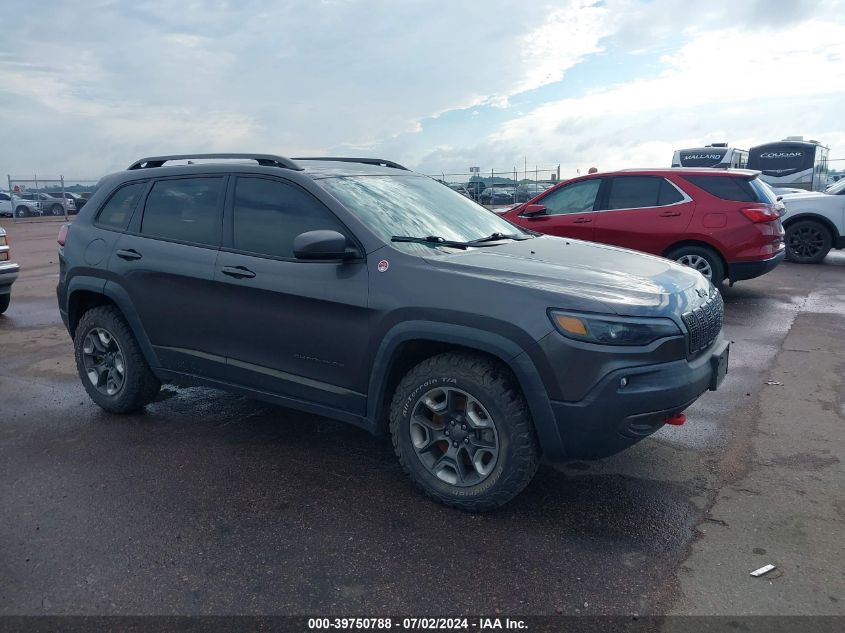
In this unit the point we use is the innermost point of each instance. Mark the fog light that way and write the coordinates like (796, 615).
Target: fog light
(624, 382)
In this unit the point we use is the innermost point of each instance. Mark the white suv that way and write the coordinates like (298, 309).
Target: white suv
(814, 223)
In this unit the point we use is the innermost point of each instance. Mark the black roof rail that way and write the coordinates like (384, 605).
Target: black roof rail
(266, 160)
(366, 161)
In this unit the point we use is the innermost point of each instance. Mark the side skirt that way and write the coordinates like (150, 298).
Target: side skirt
(191, 380)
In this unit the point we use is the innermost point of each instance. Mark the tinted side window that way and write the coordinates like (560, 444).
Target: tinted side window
(117, 211)
(186, 209)
(269, 214)
(725, 187)
(4, 197)
(633, 192)
(669, 194)
(579, 197)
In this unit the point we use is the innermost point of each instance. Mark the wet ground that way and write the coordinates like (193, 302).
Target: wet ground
(212, 503)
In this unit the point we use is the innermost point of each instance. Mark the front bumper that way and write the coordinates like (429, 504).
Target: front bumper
(612, 417)
(8, 274)
(738, 271)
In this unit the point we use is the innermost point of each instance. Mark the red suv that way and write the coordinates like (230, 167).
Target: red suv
(723, 223)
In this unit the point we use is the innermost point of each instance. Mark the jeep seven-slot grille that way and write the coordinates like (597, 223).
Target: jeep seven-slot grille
(704, 323)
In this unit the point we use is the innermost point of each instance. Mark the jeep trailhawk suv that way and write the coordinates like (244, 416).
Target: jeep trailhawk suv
(356, 289)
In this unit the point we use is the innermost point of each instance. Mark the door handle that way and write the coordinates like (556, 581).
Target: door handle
(582, 221)
(128, 254)
(670, 214)
(238, 272)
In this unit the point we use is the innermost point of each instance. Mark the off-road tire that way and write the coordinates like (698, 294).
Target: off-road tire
(812, 229)
(140, 385)
(495, 387)
(717, 268)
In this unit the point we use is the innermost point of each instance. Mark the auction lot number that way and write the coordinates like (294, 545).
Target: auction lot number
(388, 623)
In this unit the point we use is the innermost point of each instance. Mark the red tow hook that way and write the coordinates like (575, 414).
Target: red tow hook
(676, 420)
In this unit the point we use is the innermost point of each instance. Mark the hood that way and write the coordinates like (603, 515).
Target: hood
(803, 196)
(586, 276)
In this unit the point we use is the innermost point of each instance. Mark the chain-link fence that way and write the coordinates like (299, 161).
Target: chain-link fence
(43, 199)
(497, 188)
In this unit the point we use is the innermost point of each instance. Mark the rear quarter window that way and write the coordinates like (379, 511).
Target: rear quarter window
(725, 187)
(117, 212)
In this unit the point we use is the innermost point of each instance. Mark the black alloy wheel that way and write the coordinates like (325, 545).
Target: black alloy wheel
(807, 242)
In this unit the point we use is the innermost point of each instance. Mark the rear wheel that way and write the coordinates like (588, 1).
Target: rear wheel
(57, 209)
(463, 433)
(22, 211)
(110, 363)
(703, 259)
(4, 301)
(807, 242)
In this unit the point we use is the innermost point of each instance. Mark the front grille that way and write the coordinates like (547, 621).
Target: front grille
(705, 322)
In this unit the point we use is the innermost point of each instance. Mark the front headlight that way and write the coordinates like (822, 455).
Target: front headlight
(612, 330)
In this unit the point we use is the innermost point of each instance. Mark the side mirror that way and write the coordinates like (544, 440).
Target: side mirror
(532, 210)
(321, 245)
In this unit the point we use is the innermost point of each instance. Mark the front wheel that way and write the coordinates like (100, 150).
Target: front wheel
(463, 433)
(57, 209)
(807, 242)
(4, 301)
(703, 259)
(22, 211)
(110, 363)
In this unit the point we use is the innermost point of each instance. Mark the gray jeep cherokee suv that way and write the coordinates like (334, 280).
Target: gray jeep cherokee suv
(361, 291)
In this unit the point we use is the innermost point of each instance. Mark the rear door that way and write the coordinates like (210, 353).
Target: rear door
(570, 211)
(295, 328)
(165, 262)
(644, 213)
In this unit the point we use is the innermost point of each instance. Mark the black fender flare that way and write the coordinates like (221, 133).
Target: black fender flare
(118, 295)
(506, 350)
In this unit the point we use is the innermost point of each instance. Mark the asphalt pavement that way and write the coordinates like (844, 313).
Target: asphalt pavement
(209, 503)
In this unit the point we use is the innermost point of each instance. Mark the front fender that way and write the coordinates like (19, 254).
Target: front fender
(506, 350)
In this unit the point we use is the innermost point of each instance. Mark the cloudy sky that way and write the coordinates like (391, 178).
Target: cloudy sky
(88, 87)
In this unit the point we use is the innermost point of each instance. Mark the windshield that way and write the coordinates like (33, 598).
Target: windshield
(781, 159)
(763, 191)
(415, 206)
(702, 157)
(836, 189)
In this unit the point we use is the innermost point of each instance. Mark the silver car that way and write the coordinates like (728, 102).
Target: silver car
(51, 205)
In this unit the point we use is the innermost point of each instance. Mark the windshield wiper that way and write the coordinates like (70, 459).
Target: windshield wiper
(495, 237)
(434, 240)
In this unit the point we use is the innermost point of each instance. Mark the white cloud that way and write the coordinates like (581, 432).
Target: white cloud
(776, 84)
(287, 77)
(414, 81)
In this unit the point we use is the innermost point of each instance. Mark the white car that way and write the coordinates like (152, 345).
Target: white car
(14, 205)
(785, 191)
(814, 223)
